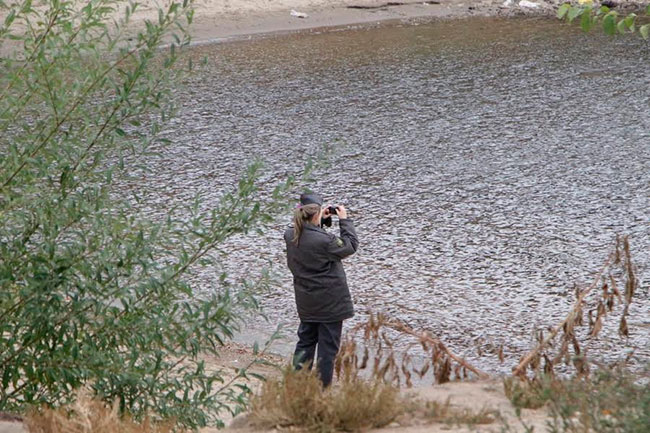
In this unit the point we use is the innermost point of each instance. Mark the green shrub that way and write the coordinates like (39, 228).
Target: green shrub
(611, 402)
(91, 291)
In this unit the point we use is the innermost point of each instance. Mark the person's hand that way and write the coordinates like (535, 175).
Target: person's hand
(341, 212)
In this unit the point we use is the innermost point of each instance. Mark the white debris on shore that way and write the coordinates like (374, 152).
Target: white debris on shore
(527, 4)
(295, 13)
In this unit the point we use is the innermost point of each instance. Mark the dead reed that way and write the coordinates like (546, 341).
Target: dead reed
(383, 362)
(89, 415)
(563, 343)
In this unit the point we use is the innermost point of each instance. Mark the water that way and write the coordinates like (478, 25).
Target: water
(488, 165)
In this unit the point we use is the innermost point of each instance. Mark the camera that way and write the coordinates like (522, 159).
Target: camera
(327, 222)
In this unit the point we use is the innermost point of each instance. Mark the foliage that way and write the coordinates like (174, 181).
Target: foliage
(608, 402)
(92, 291)
(611, 20)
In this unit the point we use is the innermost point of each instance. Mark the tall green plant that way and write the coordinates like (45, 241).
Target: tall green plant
(92, 292)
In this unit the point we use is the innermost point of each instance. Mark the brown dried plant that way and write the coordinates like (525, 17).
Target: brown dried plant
(298, 402)
(563, 343)
(444, 412)
(89, 415)
(381, 359)
(297, 399)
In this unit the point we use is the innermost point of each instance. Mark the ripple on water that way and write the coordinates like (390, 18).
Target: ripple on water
(488, 165)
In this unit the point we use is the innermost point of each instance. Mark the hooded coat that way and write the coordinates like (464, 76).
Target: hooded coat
(319, 281)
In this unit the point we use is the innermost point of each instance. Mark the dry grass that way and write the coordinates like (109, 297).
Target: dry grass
(299, 400)
(88, 415)
(445, 413)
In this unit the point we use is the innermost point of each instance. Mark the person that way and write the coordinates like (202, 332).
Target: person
(322, 294)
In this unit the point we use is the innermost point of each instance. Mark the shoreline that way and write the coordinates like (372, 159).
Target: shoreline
(214, 26)
(219, 21)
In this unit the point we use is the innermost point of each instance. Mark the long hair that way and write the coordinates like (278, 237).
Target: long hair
(301, 215)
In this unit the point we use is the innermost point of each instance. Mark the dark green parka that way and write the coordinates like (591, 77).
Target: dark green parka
(319, 281)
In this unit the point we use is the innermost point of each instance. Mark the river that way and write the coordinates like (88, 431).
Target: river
(488, 165)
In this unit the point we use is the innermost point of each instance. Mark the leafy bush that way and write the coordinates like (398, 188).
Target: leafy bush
(92, 292)
(612, 402)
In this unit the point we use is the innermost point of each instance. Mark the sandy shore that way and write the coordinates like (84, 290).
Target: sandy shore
(222, 20)
(472, 395)
(219, 20)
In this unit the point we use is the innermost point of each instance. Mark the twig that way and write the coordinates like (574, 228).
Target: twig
(521, 367)
(423, 336)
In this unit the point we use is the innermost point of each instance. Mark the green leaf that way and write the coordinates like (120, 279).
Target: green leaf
(609, 24)
(10, 18)
(574, 12)
(562, 10)
(27, 7)
(586, 22)
(257, 376)
(621, 26)
(629, 21)
(644, 30)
